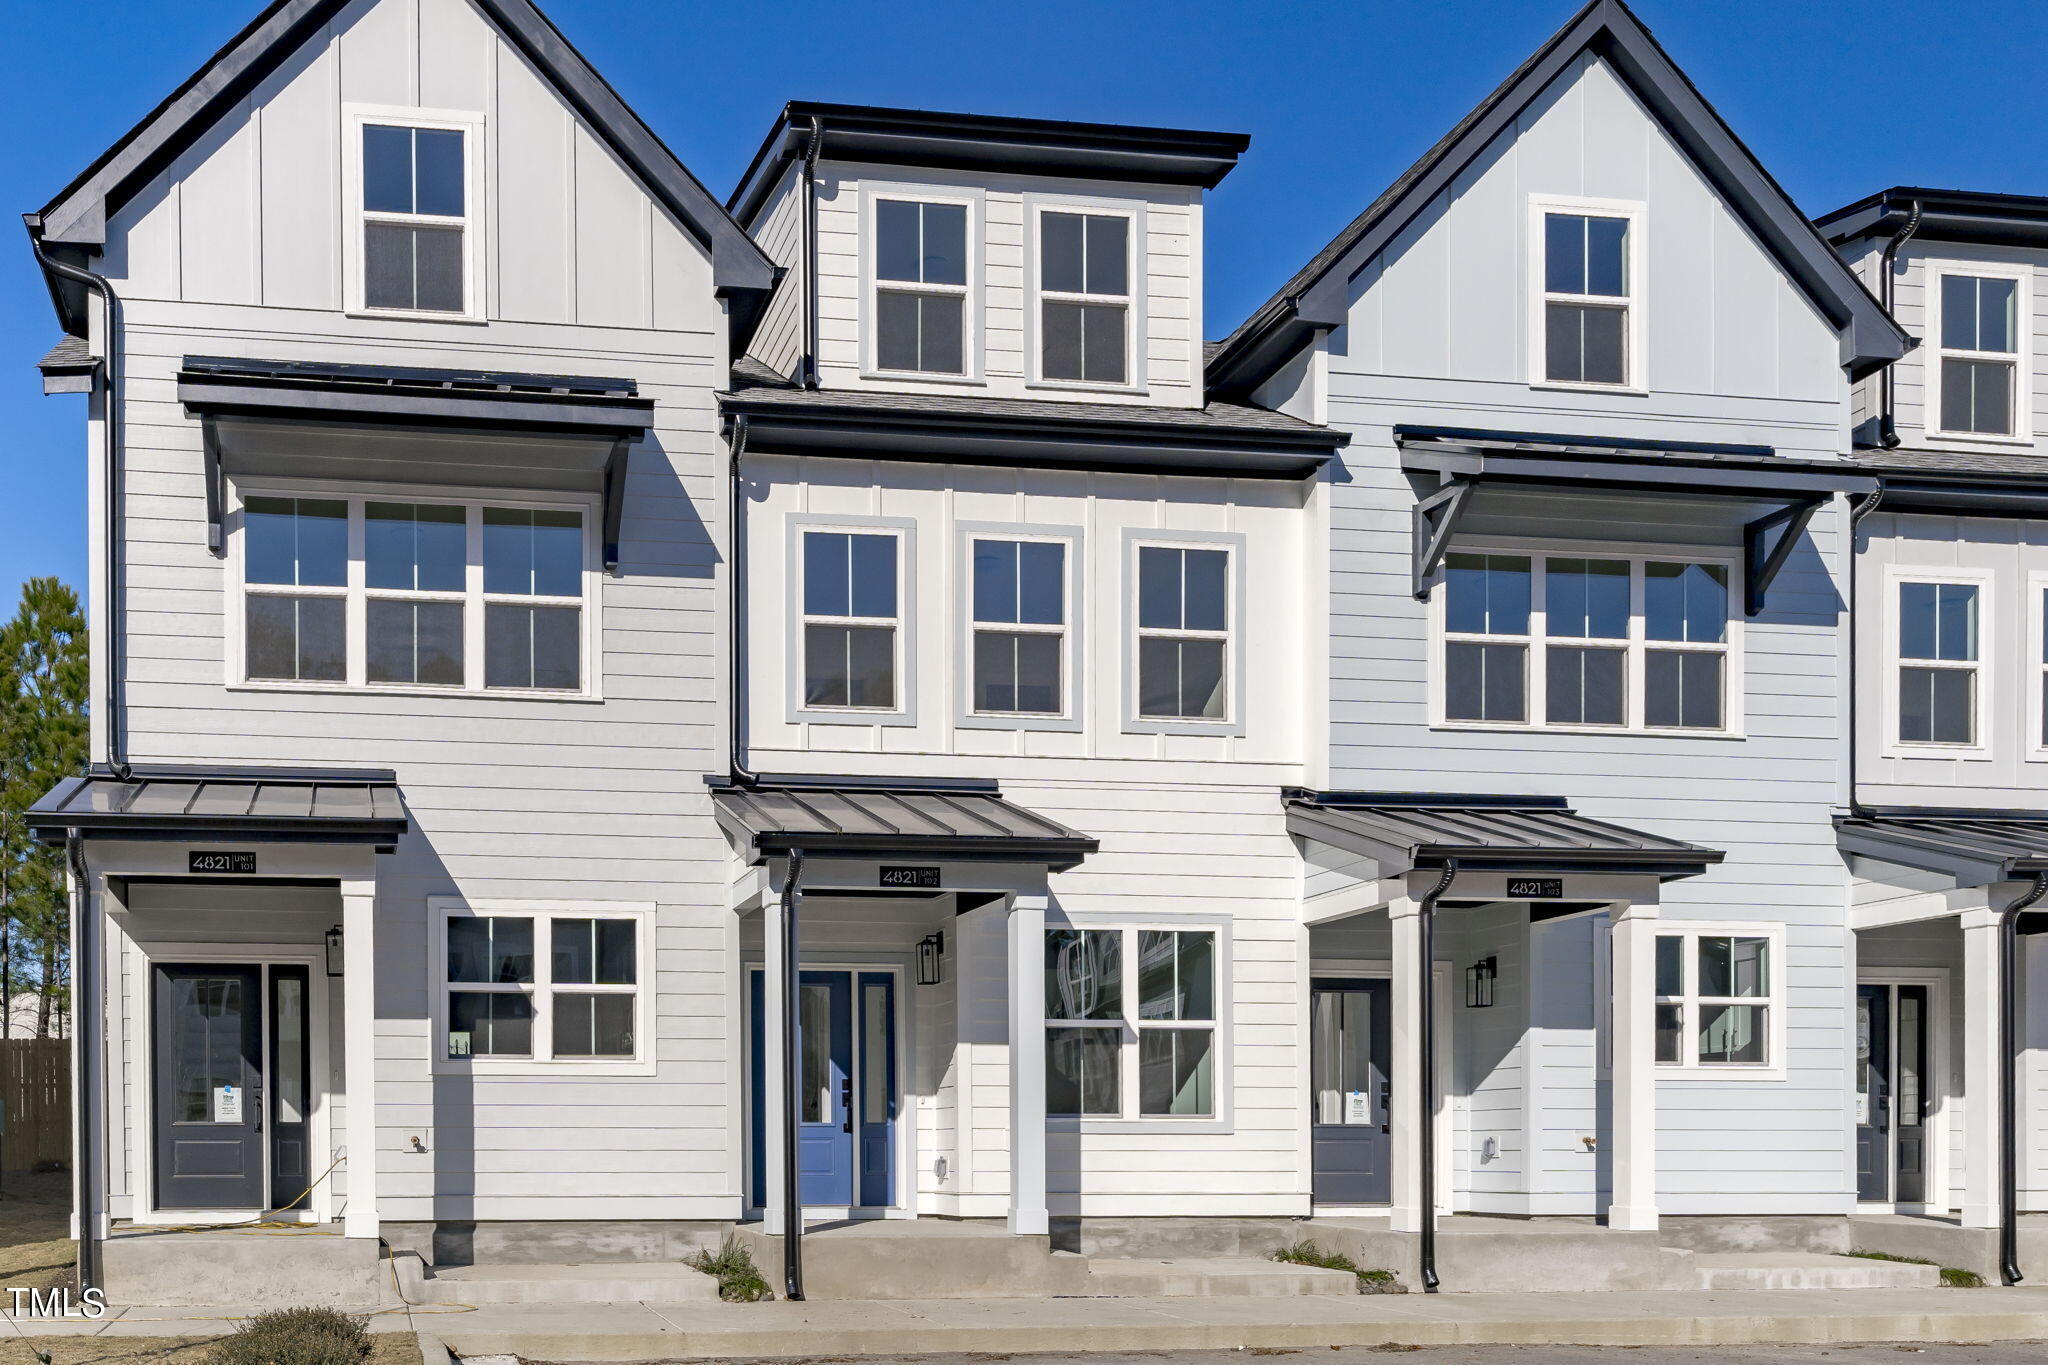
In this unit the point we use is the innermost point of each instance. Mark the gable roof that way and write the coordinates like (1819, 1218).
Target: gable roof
(1315, 299)
(75, 222)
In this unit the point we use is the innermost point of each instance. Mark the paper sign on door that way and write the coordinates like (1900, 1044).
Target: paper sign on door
(1357, 1107)
(227, 1104)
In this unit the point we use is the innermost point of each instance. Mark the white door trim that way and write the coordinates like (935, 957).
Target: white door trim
(1939, 1084)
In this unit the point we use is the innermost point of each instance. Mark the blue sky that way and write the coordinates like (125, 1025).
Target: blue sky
(1338, 98)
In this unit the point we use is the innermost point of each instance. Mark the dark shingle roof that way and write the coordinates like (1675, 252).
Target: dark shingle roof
(69, 356)
(2025, 465)
(881, 817)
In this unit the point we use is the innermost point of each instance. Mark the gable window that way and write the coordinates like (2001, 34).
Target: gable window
(462, 596)
(1020, 626)
(1084, 286)
(920, 266)
(1980, 379)
(1130, 1023)
(1585, 642)
(415, 218)
(560, 984)
(1716, 998)
(1184, 629)
(1588, 332)
(1938, 662)
(851, 620)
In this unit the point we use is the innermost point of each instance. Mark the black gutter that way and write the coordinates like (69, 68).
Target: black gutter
(792, 1187)
(117, 738)
(1887, 428)
(736, 612)
(1862, 509)
(86, 1026)
(809, 377)
(2008, 1081)
(1426, 1072)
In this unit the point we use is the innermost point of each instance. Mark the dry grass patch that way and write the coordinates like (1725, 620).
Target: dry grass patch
(36, 1250)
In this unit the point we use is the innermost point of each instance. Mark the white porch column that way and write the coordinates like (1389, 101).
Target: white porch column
(1027, 1063)
(2033, 1071)
(1632, 1203)
(1981, 1115)
(1405, 1117)
(359, 1048)
(774, 1011)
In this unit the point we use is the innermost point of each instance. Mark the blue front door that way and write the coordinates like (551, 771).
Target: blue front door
(824, 1059)
(846, 1091)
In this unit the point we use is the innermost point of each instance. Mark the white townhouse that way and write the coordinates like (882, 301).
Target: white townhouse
(621, 718)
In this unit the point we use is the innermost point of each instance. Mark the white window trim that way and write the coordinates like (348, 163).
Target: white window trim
(1987, 664)
(442, 909)
(354, 216)
(904, 711)
(1637, 644)
(1136, 281)
(1130, 1119)
(2021, 357)
(2036, 635)
(1689, 1066)
(1073, 632)
(871, 284)
(1232, 635)
(1634, 211)
(358, 594)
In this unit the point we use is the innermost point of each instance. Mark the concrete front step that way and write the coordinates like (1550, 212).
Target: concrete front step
(648, 1282)
(1211, 1277)
(1765, 1270)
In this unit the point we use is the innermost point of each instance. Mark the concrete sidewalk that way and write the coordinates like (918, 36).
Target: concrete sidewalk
(630, 1331)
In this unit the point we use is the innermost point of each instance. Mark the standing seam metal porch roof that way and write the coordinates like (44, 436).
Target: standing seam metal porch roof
(853, 817)
(1977, 848)
(309, 805)
(1405, 832)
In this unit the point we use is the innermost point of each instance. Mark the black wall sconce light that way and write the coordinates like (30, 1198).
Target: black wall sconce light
(1479, 983)
(930, 949)
(334, 951)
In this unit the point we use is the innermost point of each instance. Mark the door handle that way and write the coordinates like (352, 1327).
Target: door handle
(846, 1104)
(1386, 1107)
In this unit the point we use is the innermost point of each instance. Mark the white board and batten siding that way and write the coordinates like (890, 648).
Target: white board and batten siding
(237, 249)
(1439, 335)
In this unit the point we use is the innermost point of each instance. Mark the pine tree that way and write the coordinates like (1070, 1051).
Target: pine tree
(43, 737)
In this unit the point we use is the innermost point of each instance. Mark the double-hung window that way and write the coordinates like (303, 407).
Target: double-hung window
(1716, 998)
(851, 622)
(1569, 641)
(2038, 586)
(415, 245)
(1084, 288)
(1184, 630)
(1130, 1023)
(921, 303)
(1939, 648)
(543, 985)
(466, 596)
(1980, 378)
(1020, 626)
(1588, 332)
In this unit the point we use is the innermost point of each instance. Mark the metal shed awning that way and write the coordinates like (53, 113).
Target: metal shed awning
(891, 817)
(1462, 460)
(1976, 847)
(271, 805)
(1516, 834)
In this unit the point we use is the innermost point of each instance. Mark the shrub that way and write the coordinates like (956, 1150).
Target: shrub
(732, 1265)
(1369, 1281)
(295, 1336)
(1951, 1277)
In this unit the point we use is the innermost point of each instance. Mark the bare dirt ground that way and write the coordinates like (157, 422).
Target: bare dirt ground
(36, 1250)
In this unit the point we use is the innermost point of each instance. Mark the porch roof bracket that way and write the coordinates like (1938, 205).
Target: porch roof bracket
(1760, 566)
(1436, 521)
(614, 501)
(216, 490)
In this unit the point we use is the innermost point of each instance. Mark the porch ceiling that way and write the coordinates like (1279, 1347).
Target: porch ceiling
(240, 805)
(890, 817)
(1977, 848)
(1403, 832)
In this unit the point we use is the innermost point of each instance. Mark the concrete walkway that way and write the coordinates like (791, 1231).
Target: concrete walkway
(630, 1331)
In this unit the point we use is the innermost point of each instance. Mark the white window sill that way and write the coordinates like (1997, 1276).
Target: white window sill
(1150, 1125)
(1083, 386)
(1618, 731)
(958, 381)
(1973, 438)
(417, 315)
(1733, 1071)
(1903, 748)
(1565, 386)
(566, 1066)
(442, 693)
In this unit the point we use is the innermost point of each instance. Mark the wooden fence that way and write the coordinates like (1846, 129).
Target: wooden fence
(35, 1087)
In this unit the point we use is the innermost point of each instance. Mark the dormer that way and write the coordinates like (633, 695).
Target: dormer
(965, 254)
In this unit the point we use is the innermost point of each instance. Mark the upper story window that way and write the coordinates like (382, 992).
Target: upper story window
(1625, 642)
(1020, 626)
(1084, 288)
(1937, 628)
(414, 251)
(1184, 633)
(920, 271)
(851, 619)
(461, 596)
(1980, 371)
(1589, 328)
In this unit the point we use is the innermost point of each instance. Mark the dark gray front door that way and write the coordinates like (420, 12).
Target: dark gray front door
(1349, 1051)
(1891, 1093)
(1909, 1094)
(209, 1065)
(1873, 1092)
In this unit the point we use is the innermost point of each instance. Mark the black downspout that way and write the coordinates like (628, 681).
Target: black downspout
(116, 586)
(809, 377)
(736, 612)
(86, 1019)
(1426, 1072)
(1887, 426)
(792, 1189)
(1862, 509)
(2008, 1080)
